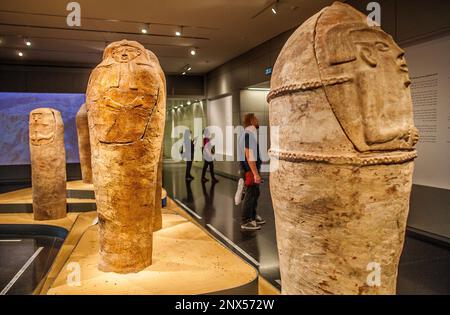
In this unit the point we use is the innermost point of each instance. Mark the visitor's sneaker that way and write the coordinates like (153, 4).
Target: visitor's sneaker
(259, 220)
(250, 226)
(239, 192)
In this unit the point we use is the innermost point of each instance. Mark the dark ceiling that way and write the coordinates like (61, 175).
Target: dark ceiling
(219, 29)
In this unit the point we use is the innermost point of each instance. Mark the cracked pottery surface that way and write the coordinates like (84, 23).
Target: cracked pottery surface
(157, 215)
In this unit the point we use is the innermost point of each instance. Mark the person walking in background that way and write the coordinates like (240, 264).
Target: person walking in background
(250, 167)
(208, 157)
(188, 153)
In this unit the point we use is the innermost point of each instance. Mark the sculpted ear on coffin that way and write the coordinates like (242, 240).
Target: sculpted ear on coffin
(368, 56)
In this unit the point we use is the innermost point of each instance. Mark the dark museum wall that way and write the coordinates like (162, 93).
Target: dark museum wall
(63, 79)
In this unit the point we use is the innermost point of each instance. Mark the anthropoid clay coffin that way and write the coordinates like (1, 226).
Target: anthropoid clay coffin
(125, 100)
(343, 156)
(48, 164)
(84, 145)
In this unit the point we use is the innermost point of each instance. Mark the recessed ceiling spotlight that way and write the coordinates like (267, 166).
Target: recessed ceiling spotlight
(275, 8)
(193, 51)
(20, 53)
(179, 31)
(184, 73)
(145, 29)
(27, 42)
(189, 68)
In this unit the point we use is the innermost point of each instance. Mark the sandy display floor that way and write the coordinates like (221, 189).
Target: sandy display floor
(186, 260)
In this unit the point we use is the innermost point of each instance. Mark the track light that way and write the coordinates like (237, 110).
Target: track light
(179, 31)
(186, 69)
(27, 42)
(275, 8)
(145, 29)
(20, 54)
(193, 51)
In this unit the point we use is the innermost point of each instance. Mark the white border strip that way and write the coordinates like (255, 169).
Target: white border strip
(240, 250)
(187, 209)
(10, 241)
(21, 271)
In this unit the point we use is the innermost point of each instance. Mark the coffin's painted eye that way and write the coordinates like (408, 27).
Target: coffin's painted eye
(381, 46)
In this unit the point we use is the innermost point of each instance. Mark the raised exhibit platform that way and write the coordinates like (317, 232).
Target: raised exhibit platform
(80, 198)
(186, 259)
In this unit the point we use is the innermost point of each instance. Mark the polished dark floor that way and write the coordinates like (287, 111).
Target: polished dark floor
(424, 267)
(16, 251)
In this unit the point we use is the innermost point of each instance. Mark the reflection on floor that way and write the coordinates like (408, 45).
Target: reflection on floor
(25, 260)
(215, 205)
(424, 267)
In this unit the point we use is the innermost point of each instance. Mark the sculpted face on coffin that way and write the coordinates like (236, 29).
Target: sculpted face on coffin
(377, 84)
(125, 95)
(125, 53)
(42, 126)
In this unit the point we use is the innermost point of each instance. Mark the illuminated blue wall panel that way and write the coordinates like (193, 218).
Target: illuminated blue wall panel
(14, 115)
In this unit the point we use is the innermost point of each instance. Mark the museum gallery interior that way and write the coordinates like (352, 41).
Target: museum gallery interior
(271, 147)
